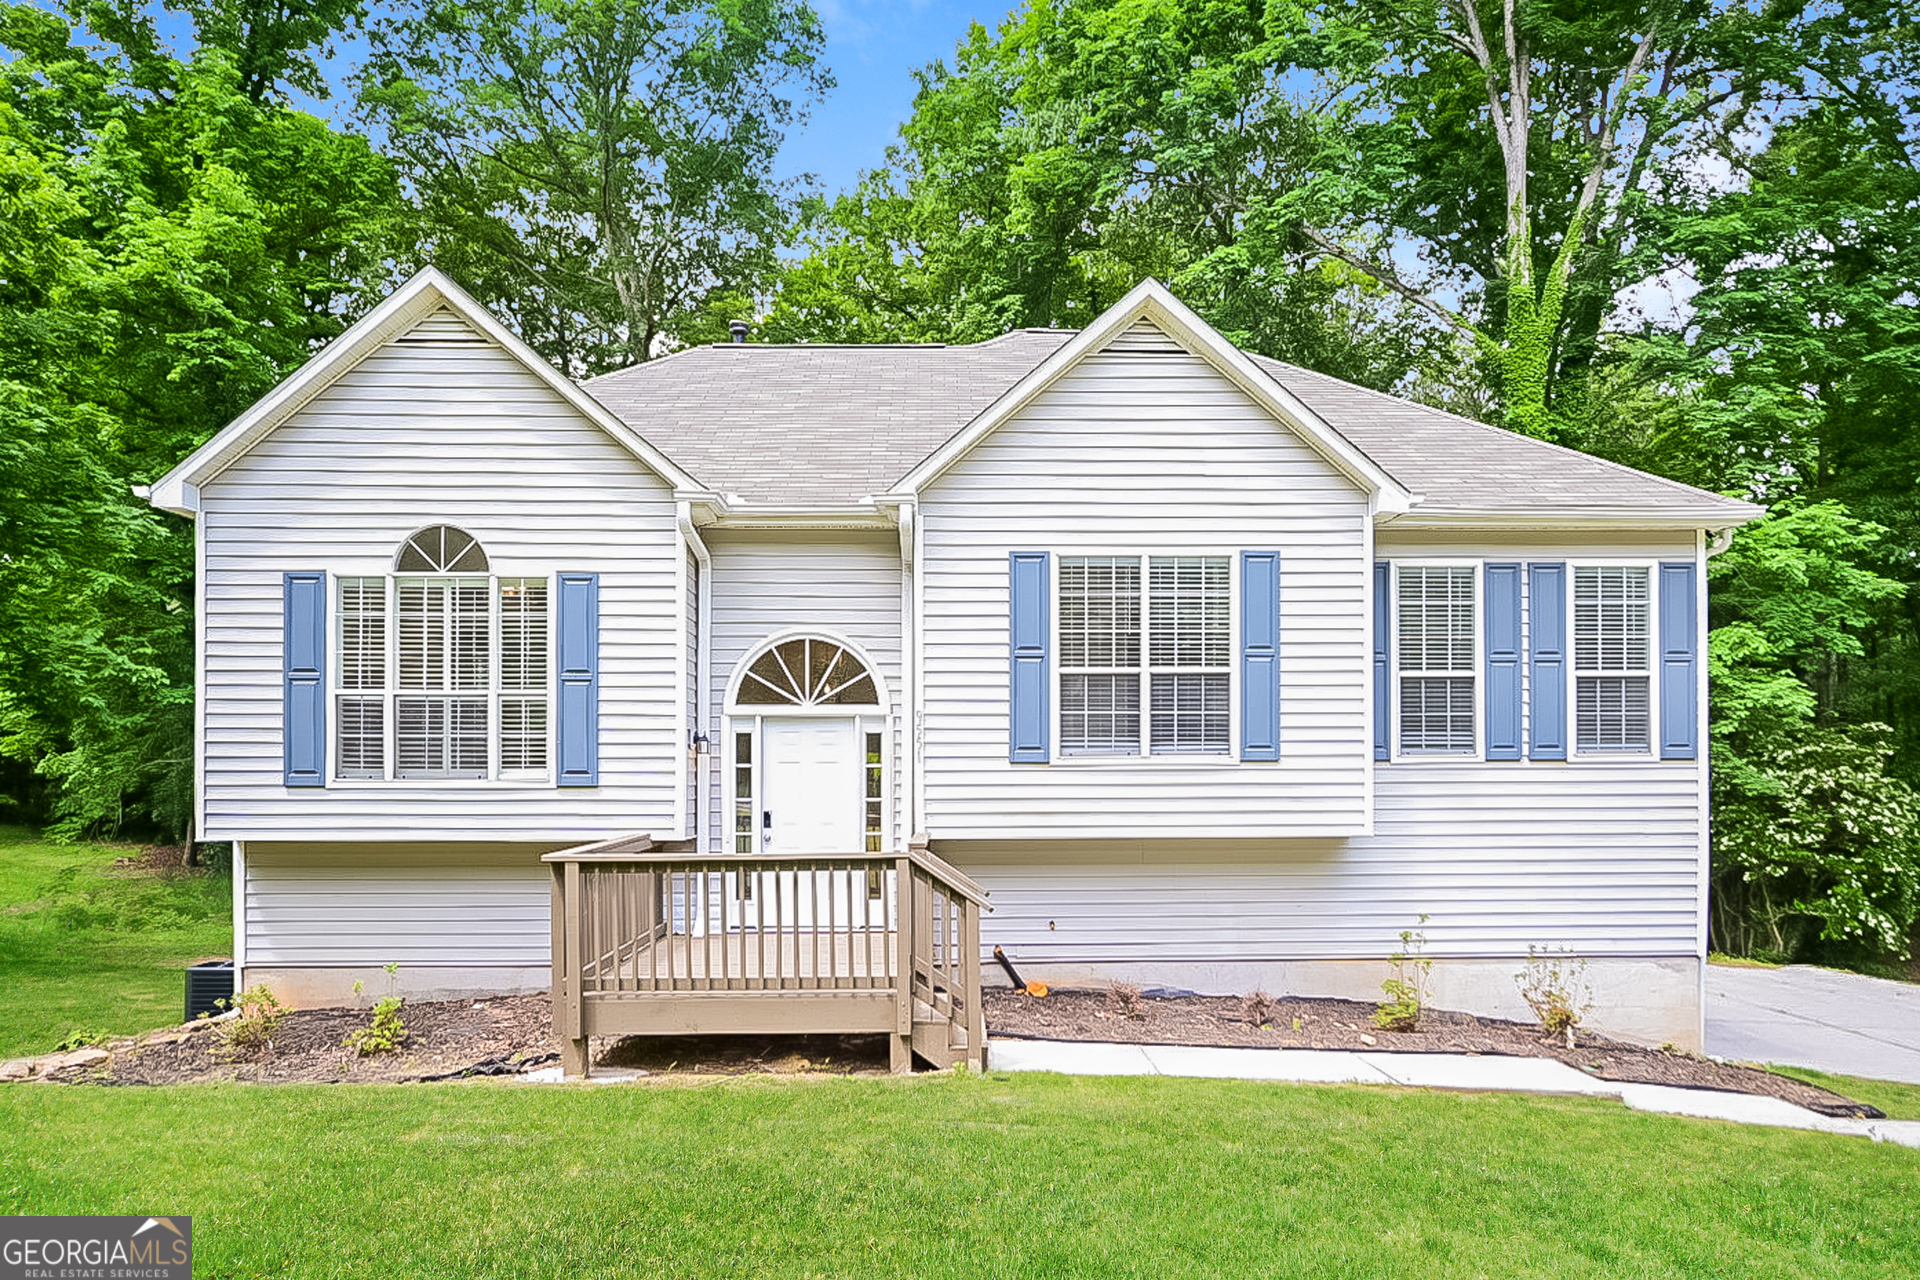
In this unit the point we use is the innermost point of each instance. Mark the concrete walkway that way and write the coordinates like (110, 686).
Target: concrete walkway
(1806, 1017)
(1423, 1070)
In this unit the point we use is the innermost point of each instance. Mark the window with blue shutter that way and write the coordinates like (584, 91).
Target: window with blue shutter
(304, 715)
(1382, 672)
(1547, 660)
(1679, 674)
(578, 644)
(1259, 655)
(1502, 612)
(1028, 713)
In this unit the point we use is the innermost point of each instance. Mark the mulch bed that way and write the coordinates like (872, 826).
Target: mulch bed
(453, 1039)
(508, 1035)
(1215, 1021)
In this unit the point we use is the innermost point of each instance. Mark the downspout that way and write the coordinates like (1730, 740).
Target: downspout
(909, 756)
(702, 657)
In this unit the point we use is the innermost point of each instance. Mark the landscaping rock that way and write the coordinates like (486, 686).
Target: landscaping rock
(16, 1069)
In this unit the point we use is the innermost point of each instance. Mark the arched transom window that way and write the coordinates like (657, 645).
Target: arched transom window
(808, 672)
(441, 549)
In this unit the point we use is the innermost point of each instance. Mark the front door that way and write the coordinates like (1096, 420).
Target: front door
(810, 785)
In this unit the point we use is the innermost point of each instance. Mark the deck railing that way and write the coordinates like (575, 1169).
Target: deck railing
(648, 941)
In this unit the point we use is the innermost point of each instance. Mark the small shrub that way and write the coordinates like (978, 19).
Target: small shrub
(260, 1014)
(1555, 987)
(1125, 1000)
(1258, 1008)
(1407, 989)
(385, 1032)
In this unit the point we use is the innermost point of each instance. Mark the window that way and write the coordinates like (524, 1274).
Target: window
(1436, 649)
(1612, 654)
(743, 793)
(808, 673)
(1174, 637)
(442, 676)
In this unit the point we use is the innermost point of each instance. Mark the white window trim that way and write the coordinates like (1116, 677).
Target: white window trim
(1146, 759)
(1572, 709)
(1478, 754)
(496, 779)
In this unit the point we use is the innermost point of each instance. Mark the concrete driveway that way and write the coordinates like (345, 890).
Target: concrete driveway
(1806, 1017)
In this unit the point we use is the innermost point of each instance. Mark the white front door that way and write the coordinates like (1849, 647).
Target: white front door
(810, 785)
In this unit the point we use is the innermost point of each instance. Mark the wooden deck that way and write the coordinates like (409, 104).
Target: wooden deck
(652, 942)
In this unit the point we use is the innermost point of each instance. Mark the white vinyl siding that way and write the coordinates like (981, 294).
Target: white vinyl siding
(842, 584)
(1434, 629)
(421, 433)
(1150, 451)
(1498, 855)
(1612, 658)
(367, 905)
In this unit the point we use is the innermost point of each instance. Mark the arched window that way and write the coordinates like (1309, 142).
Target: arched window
(808, 672)
(441, 549)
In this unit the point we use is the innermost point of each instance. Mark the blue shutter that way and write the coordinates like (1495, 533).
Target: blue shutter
(1679, 687)
(1382, 677)
(1547, 660)
(1503, 661)
(1259, 655)
(1027, 706)
(579, 711)
(304, 659)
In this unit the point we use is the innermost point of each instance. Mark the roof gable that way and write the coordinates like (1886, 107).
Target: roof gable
(428, 310)
(1150, 304)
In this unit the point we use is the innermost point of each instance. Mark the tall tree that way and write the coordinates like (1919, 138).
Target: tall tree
(1078, 147)
(597, 168)
(1493, 161)
(169, 249)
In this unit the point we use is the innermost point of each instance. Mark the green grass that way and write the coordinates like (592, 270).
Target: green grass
(956, 1176)
(85, 948)
(1900, 1101)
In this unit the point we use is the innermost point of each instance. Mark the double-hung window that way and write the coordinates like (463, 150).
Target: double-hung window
(443, 675)
(1146, 659)
(1612, 657)
(1435, 625)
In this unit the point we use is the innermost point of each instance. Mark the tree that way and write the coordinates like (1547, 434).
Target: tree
(169, 249)
(597, 169)
(1074, 150)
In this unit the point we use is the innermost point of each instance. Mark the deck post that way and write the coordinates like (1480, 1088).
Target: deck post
(573, 1040)
(970, 968)
(900, 1043)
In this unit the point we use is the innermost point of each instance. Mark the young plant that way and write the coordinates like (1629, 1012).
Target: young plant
(387, 1029)
(260, 1013)
(1555, 987)
(1258, 1009)
(1407, 989)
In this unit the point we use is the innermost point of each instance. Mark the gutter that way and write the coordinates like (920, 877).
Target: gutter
(702, 658)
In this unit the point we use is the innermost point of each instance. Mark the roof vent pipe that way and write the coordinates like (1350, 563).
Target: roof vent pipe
(738, 328)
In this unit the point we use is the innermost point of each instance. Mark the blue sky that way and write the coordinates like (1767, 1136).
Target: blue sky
(873, 47)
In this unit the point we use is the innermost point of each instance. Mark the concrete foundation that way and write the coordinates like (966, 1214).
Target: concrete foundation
(317, 988)
(1651, 1000)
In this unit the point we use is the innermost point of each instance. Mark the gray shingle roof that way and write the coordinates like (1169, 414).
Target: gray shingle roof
(832, 424)
(805, 424)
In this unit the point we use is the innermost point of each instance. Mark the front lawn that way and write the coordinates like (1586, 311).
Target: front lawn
(86, 948)
(963, 1176)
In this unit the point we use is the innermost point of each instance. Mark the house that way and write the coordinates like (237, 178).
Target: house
(1211, 672)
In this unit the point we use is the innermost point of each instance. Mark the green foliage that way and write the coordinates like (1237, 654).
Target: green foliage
(259, 1014)
(1813, 839)
(384, 1034)
(597, 172)
(1407, 991)
(173, 243)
